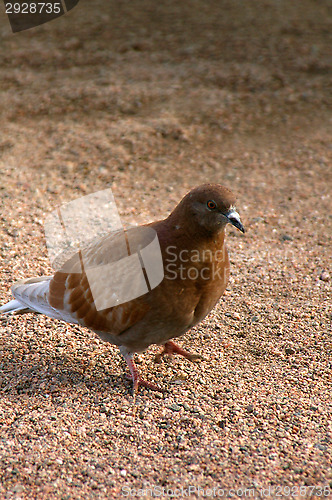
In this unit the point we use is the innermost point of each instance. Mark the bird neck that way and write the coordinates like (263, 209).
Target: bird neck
(193, 235)
(179, 221)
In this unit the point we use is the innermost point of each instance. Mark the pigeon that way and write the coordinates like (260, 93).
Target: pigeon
(190, 256)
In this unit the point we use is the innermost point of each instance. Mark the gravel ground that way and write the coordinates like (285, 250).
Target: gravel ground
(152, 100)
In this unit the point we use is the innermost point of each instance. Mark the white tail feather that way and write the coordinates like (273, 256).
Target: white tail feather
(13, 307)
(31, 295)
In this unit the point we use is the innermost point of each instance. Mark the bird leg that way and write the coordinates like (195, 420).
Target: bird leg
(171, 348)
(137, 380)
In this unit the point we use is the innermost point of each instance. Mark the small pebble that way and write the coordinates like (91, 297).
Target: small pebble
(286, 237)
(324, 276)
(174, 407)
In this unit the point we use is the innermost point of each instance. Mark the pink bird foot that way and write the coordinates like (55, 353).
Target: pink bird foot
(135, 377)
(171, 348)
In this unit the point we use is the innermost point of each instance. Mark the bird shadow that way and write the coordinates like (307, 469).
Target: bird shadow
(53, 374)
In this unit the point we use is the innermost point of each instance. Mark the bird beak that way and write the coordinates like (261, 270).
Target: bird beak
(234, 219)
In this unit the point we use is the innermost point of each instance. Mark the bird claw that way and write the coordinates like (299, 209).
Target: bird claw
(193, 357)
(139, 382)
(171, 348)
(149, 385)
(196, 358)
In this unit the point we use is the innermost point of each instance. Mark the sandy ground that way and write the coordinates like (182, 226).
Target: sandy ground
(152, 99)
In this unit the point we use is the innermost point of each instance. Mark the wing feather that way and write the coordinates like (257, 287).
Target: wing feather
(69, 290)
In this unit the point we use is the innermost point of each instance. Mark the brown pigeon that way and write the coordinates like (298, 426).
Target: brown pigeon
(183, 274)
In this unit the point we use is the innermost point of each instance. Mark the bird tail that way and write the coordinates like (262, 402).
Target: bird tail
(14, 307)
(31, 295)
(24, 300)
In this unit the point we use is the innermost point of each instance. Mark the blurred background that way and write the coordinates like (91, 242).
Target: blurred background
(158, 98)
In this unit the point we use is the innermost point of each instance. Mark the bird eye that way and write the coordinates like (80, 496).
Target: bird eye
(211, 205)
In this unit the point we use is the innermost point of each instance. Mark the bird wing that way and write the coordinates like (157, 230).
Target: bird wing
(77, 306)
(70, 294)
(85, 287)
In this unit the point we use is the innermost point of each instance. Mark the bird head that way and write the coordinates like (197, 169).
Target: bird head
(209, 208)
